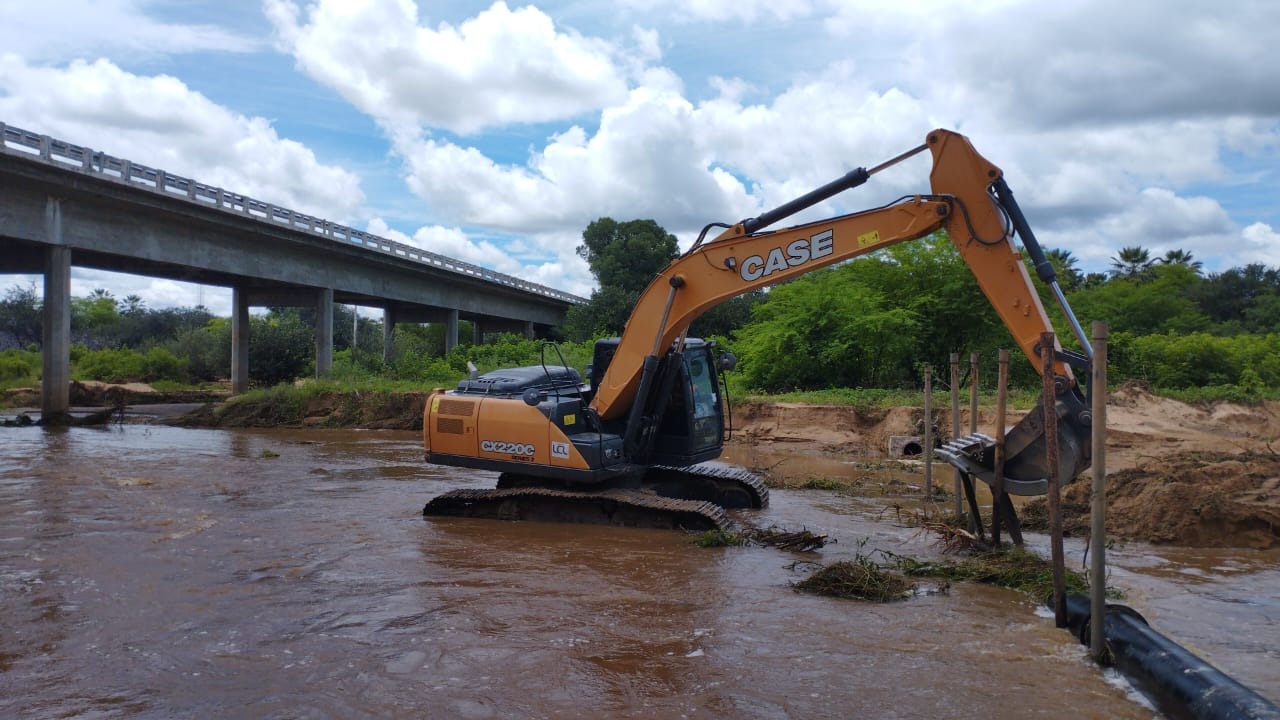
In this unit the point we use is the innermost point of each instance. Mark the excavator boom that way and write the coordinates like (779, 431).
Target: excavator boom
(740, 260)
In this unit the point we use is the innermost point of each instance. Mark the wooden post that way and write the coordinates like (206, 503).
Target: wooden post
(1047, 346)
(955, 426)
(973, 393)
(1098, 501)
(997, 486)
(975, 522)
(928, 434)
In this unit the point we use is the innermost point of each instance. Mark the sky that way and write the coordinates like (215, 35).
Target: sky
(495, 133)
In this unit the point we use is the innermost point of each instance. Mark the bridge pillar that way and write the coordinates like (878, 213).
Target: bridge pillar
(239, 340)
(55, 356)
(477, 334)
(388, 334)
(324, 333)
(451, 332)
(529, 332)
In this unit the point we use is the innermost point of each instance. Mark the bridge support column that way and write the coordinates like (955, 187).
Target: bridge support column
(451, 332)
(324, 333)
(477, 333)
(55, 356)
(529, 332)
(239, 340)
(388, 334)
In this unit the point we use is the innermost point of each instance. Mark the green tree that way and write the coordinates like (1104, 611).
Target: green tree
(133, 306)
(281, 347)
(822, 330)
(1181, 257)
(20, 315)
(624, 258)
(1067, 267)
(94, 319)
(1132, 262)
(1240, 299)
(1164, 302)
(626, 255)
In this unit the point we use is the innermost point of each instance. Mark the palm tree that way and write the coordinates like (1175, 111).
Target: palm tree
(133, 305)
(1181, 257)
(1066, 266)
(1132, 262)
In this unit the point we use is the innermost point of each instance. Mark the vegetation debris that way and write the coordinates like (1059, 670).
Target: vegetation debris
(801, 540)
(1013, 568)
(857, 579)
(798, 540)
(717, 537)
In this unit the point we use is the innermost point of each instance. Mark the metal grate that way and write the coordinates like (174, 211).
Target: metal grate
(457, 407)
(452, 426)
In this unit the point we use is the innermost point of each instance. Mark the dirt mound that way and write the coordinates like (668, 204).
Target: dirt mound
(1193, 498)
(374, 410)
(836, 429)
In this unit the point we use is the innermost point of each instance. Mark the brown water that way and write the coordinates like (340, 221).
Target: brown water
(162, 572)
(1222, 604)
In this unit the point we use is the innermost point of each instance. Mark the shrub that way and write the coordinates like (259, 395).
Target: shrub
(160, 364)
(19, 367)
(113, 366)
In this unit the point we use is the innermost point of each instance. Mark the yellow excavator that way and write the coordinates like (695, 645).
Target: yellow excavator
(635, 442)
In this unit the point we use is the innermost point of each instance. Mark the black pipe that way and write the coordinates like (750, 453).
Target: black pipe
(852, 179)
(1181, 684)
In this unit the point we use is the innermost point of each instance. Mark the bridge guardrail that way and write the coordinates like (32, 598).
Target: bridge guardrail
(60, 153)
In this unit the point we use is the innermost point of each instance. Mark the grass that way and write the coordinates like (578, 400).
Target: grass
(865, 399)
(719, 538)
(1013, 568)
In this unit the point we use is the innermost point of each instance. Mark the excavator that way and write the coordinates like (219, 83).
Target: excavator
(635, 443)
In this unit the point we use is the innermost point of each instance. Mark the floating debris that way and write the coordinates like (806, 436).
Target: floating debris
(718, 537)
(800, 541)
(857, 579)
(795, 540)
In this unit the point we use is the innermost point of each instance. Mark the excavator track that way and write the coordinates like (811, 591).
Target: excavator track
(614, 506)
(729, 486)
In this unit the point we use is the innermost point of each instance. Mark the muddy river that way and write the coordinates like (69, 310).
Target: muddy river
(148, 571)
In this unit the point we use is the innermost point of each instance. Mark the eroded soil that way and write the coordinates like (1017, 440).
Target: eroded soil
(1177, 474)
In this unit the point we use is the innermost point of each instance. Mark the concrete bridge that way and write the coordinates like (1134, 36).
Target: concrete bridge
(64, 205)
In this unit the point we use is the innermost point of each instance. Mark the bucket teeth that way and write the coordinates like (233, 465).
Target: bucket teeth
(975, 454)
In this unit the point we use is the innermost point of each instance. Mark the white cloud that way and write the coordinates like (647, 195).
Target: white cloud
(1261, 245)
(660, 156)
(745, 11)
(55, 30)
(1090, 62)
(565, 272)
(503, 66)
(160, 122)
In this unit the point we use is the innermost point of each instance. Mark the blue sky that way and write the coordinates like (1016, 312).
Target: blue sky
(495, 133)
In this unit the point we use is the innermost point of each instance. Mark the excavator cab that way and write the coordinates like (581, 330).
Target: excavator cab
(686, 418)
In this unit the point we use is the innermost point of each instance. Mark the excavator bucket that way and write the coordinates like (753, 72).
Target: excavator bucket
(1026, 468)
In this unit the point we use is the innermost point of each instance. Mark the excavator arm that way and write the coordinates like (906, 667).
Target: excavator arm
(969, 200)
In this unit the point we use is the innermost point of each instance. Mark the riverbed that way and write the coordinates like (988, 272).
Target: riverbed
(150, 571)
